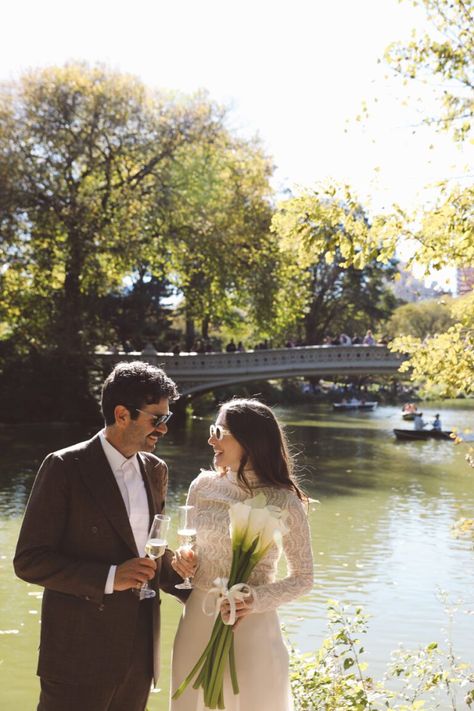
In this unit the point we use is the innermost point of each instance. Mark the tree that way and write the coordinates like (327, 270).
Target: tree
(216, 228)
(422, 319)
(86, 149)
(446, 235)
(135, 314)
(444, 362)
(337, 288)
(445, 53)
(82, 153)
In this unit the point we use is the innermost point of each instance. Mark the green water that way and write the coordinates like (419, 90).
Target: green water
(382, 533)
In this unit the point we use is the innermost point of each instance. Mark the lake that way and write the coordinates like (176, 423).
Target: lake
(382, 530)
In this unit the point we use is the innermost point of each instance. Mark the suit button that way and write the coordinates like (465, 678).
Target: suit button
(87, 598)
(94, 529)
(101, 608)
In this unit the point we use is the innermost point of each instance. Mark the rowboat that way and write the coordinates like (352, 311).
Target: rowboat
(421, 434)
(357, 405)
(408, 416)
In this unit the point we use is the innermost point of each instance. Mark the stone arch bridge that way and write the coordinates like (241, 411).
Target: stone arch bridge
(196, 373)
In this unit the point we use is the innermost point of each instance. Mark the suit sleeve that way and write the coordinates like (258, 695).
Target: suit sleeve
(39, 557)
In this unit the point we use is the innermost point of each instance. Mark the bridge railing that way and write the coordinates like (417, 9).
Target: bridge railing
(277, 362)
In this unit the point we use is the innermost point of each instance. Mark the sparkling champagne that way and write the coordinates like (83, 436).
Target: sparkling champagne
(155, 547)
(187, 537)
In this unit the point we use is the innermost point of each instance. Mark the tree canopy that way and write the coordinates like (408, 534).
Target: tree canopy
(445, 53)
(104, 183)
(85, 147)
(332, 284)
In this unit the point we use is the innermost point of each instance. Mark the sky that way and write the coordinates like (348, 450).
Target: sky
(294, 72)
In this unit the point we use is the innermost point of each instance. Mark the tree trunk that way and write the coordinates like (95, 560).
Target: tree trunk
(205, 327)
(190, 333)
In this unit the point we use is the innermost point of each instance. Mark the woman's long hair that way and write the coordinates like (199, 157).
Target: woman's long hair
(263, 440)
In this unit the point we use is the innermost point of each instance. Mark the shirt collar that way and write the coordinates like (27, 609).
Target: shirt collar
(115, 458)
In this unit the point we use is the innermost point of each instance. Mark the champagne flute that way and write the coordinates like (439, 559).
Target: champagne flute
(155, 547)
(186, 537)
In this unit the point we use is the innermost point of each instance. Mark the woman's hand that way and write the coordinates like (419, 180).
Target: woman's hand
(184, 562)
(242, 609)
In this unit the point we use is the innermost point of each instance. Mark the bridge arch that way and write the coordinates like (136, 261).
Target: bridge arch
(195, 372)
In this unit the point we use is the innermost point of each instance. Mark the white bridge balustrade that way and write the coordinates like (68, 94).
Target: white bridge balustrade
(196, 372)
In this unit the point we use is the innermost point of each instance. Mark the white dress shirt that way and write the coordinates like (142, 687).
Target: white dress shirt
(132, 487)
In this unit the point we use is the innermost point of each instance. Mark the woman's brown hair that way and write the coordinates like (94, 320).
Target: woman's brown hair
(263, 440)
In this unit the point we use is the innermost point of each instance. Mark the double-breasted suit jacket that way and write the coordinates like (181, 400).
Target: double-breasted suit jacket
(75, 527)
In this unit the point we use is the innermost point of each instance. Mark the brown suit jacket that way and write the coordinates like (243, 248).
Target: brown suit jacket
(75, 527)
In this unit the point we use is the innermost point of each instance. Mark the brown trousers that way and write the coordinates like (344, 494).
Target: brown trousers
(128, 694)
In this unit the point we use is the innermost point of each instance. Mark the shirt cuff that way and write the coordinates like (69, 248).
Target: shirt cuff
(109, 585)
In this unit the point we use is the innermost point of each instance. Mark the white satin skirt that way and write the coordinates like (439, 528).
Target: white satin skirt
(260, 654)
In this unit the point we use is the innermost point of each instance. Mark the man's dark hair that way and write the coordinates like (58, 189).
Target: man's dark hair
(134, 385)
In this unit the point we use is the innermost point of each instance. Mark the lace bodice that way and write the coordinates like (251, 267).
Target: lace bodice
(212, 494)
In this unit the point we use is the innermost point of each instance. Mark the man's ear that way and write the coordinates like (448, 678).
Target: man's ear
(122, 416)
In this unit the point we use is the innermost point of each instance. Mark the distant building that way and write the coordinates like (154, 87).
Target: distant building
(464, 280)
(409, 288)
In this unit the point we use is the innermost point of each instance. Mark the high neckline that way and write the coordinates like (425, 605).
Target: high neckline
(250, 475)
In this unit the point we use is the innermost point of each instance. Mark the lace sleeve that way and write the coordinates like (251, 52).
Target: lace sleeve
(191, 498)
(299, 558)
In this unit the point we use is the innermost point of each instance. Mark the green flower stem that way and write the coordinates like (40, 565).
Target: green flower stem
(251, 563)
(236, 555)
(218, 661)
(193, 671)
(217, 625)
(232, 668)
(216, 688)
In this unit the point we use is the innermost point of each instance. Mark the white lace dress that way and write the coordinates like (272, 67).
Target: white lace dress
(261, 655)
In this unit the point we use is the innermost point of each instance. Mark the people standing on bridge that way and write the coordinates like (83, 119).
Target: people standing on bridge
(83, 539)
(231, 347)
(250, 456)
(369, 339)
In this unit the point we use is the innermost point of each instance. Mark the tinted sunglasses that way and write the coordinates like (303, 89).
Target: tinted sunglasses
(218, 431)
(155, 419)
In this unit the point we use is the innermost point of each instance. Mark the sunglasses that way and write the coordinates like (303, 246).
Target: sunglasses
(218, 431)
(155, 419)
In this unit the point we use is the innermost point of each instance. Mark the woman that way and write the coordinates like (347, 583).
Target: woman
(250, 456)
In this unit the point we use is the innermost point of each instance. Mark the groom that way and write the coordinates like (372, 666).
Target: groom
(83, 538)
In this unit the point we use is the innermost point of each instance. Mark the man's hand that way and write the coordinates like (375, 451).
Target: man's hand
(133, 573)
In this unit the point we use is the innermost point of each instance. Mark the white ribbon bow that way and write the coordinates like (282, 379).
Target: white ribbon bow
(237, 593)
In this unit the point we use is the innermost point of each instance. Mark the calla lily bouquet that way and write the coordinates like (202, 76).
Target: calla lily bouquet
(254, 527)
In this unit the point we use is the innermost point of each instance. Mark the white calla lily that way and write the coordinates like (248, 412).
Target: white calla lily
(257, 523)
(239, 516)
(269, 534)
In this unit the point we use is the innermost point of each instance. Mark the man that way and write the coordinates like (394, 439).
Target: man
(418, 421)
(436, 424)
(83, 539)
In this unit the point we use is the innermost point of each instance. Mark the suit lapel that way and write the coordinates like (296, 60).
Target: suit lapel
(100, 480)
(149, 490)
(153, 479)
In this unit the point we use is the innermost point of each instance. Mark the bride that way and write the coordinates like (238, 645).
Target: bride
(250, 456)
